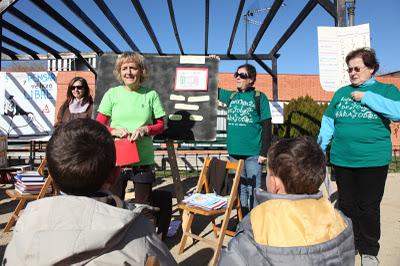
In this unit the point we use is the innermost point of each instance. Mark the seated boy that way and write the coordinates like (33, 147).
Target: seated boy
(293, 223)
(83, 225)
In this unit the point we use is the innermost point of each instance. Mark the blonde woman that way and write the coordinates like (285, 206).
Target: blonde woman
(136, 113)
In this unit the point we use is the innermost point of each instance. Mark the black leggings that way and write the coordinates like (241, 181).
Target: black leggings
(144, 194)
(360, 194)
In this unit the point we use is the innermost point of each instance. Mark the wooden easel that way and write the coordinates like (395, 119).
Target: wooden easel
(175, 170)
(177, 181)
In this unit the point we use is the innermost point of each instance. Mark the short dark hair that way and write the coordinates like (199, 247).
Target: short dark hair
(299, 163)
(80, 156)
(87, 98)
(367, 55)
(251, 71)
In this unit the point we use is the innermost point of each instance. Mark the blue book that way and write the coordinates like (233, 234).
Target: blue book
(31, 176)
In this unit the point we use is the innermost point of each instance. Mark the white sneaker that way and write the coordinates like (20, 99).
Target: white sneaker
(369, 260)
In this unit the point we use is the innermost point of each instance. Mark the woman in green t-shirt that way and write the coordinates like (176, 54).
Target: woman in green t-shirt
(361, 150)
(136, 113)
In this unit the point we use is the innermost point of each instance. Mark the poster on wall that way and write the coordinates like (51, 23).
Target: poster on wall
(191, 79)
(27, 101)
(334, 43)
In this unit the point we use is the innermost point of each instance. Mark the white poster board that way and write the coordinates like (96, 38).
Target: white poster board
(191, 79)
(276, 112)
(27, 101)
(334, 43)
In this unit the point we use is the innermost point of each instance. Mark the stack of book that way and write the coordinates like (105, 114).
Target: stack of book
(29, 182)
(208, 201)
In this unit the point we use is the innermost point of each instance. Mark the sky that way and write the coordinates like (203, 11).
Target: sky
(299, 55)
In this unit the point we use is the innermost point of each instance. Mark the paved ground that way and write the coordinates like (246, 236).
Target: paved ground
(199, 254)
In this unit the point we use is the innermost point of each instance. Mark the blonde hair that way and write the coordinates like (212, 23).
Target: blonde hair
(136, 58)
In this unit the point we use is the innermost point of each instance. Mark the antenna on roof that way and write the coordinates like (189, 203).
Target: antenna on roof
(248, 19)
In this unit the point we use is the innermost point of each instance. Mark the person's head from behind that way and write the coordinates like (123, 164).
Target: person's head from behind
(245, 76)
(295, 166)
(81, 156)
(78, 88)
(130, 69)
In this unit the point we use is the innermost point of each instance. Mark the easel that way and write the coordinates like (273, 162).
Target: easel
(176, 180)
(174, 170)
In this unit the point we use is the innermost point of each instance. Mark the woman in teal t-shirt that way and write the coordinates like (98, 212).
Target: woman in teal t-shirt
(361, 150)
(136, 113)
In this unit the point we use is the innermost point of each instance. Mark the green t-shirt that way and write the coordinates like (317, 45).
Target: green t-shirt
(131, 110)
(361, 137)
(244, 124)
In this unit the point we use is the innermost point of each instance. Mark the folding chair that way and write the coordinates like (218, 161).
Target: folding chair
(23, 198)
(233, 202)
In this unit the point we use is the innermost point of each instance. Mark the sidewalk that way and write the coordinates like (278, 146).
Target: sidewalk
(200, 254)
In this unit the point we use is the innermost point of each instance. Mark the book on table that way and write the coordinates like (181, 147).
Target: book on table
(32, 191)
(28, 173)
(29, 176)
(24, 187)
(29, 182)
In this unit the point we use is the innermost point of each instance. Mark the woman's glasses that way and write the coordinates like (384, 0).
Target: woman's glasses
(79, 87)
(241, 75)
(356, 69)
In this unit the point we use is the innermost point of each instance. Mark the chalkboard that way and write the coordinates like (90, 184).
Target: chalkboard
(183, 122)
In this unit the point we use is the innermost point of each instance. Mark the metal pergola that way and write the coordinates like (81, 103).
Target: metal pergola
(334, 8)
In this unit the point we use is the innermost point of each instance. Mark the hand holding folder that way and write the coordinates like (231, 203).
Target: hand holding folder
(127, 152)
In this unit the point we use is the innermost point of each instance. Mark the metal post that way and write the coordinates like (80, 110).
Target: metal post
(351, 11)
(1, 34)
(341, 13)
(275, 78)
(246, 17)
(275, 97)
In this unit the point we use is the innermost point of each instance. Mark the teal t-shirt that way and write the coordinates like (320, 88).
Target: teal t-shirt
(361, 136)
(131, 110)
(244, 124)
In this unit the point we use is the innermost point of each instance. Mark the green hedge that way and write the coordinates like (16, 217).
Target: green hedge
(302, 117)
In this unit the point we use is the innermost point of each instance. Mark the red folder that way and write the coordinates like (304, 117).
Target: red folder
(126, 152)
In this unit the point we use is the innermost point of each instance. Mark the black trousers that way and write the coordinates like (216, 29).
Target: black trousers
(144, 194)
(360, 194)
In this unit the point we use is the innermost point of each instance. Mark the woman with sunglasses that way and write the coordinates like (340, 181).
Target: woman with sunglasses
(249, 130)
(361, 150)
(79, 102)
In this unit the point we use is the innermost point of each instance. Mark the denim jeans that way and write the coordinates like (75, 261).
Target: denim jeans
(249, 180)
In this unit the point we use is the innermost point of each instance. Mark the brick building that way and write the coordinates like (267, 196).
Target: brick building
(290, 86)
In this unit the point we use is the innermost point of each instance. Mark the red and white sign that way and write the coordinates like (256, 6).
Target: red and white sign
(191, 79)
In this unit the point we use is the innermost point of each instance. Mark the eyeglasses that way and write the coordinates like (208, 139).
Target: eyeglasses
(79, 87)
(356, 69)
(241, 75)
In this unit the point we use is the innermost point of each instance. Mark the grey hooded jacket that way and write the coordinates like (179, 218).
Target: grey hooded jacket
(73, 230)
(244, 250)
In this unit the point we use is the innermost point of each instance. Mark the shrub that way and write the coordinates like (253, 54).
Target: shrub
(302, 117)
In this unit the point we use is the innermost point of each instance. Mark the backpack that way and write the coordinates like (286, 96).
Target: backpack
(257, 96)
